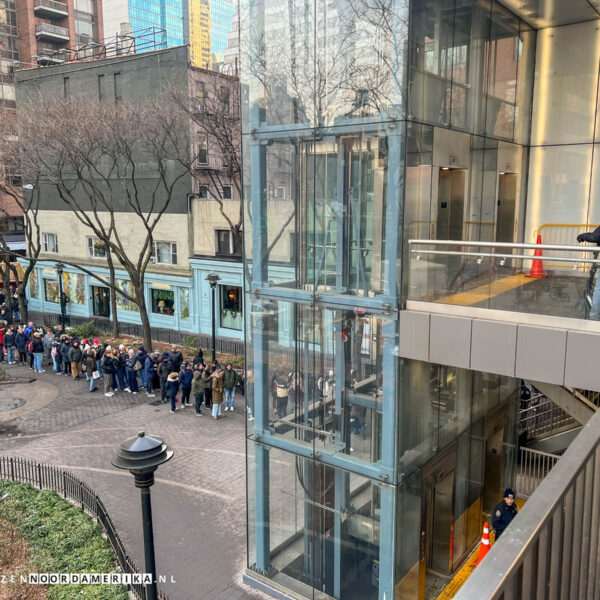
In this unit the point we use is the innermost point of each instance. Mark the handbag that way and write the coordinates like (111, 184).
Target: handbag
(95, 375)
(138, 366)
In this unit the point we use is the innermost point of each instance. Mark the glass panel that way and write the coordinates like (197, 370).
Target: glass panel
(162, 301)
(74, 287)
(231, 307)
(34, 290)
(122, 302)
(184, 302)
(51, 290)
(566, 81)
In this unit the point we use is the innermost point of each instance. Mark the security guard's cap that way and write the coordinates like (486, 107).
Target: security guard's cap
(508, 493)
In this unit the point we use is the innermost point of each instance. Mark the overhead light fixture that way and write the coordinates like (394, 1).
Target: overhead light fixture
(445, 168)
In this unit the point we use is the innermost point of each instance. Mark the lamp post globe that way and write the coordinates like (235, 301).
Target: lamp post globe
(213, 279)
(141, 456)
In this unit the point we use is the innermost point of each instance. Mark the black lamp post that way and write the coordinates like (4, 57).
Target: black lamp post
(141, 456)
(59, 271)
(213, 279)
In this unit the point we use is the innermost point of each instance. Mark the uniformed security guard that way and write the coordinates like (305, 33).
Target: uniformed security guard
(504, 512)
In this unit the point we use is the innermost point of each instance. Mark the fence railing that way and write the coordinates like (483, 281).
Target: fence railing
(73, 489)
(550, 550)
(543, 417)
(534, 465)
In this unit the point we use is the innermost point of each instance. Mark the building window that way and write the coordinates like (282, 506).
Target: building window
(224, 97)
(228, 192)
(200, 96)
(226, 243)
(100, 87)
(50, 242)
(51, 291)
(231, 307)
(164, 253)
(66, 87)
(117, 79)
(96, 247)
(202, 149)
(163, 302)
(203, 192)
(279, 192)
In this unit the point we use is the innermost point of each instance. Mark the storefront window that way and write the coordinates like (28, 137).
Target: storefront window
(231, 307)
(122, 302)
(74, 287)
(34, 290)
(184, 303)
(51, 290)
(163, 302)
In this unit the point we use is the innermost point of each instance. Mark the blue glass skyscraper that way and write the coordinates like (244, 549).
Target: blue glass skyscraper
(167, 15)
(221, 13)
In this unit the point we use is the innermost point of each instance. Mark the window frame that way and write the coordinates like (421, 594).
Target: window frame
(45, 238)
(230, 188)
(91, 247)
(172, 253)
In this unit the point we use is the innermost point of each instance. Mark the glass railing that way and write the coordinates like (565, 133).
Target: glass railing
(546, 279)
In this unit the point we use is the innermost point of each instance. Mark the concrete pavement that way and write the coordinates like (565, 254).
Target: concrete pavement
(199, 496)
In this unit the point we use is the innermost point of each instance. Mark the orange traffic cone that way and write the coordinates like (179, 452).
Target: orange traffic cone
(484, 547)
(537, 266)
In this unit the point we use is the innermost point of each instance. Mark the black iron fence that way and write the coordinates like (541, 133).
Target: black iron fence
(73, 489)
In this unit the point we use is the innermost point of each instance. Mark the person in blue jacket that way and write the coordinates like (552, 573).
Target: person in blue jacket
(142, 355)
(504, 512)
(149, 371)
(185, 378)
(172, 389)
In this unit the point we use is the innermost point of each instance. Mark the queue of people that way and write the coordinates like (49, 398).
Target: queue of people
(128, 369)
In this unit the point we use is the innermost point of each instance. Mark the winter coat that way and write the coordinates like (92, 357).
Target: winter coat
(142, 356)
(108, 365)
(172, 387)
(149, 367)
(38, 345)
(217, 389)
(5, 316)
(2, 332)
(21, 341)
(132, 361)
(230, 379)
(199, 359)
(164, 369)
(64, 350)
(185, 377)
(176, 358)
(75, 354)
(9, 338)
(48, 340)
(90, 360)
(198, 383)
(122, 360)
(56, 344)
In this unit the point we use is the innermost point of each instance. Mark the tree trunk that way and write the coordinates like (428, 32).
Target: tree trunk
(113, 294)
(141, 302)
(22, 300)
(6, 278)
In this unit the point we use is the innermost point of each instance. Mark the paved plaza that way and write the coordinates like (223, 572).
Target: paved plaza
(199, 496)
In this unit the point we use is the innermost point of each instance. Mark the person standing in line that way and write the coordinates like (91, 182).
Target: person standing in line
(108, 368)
(121, 357)
(142, 355)
(172, 389)
(89, 362)
(198, 387)
(217, 393)
(208, 387)
(11, 346)
(185, 378)
(165, 368)
(504, 513)
(64, 352)
(37, 347)
(2, 332)
(21, 344)
(150, 371)
(282, 391)
(230, 379)
(56, 356)
(75, 356)
(176, 358)
(48, 339)
(131, 372)
(199, 359)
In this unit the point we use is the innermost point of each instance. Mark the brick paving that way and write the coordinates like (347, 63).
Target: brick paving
(198, 500)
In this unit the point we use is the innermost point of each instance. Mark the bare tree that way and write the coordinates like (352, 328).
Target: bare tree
(116, 167)
(26, 200)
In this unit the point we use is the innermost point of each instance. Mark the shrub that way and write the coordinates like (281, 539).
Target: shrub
(62, 539)
(191, 342)
(86, 330)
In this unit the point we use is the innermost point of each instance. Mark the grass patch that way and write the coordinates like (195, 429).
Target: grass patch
(61, 539)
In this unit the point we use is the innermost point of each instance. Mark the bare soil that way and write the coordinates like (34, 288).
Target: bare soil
(14, 560)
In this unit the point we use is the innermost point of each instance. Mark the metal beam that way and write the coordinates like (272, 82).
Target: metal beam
(580, 409)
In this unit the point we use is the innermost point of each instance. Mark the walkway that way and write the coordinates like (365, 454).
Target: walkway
(198, 498)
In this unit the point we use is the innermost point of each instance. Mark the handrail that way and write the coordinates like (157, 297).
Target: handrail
(522, 246)
(504, 256)
(549, 550)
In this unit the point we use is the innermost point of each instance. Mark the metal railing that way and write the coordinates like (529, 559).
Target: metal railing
(543, 417)
(73, 489)
(550, 550)
(51, 4)
(534, 465)
(48, 29)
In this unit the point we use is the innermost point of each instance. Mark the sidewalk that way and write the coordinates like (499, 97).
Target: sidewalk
(198, 500)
